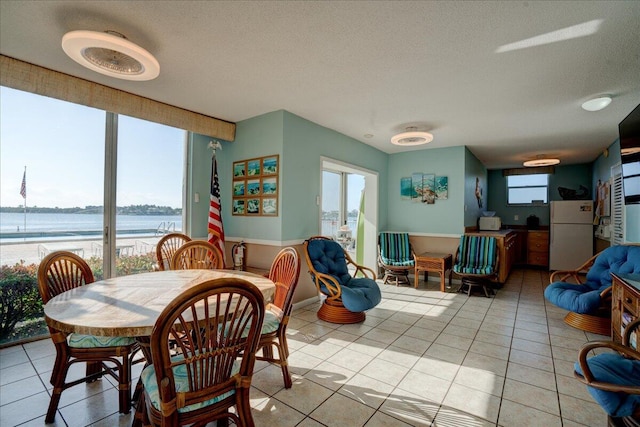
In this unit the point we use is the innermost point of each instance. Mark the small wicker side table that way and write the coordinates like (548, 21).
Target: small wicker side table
(436, 262)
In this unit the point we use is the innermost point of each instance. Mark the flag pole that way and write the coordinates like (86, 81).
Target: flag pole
(23, 190)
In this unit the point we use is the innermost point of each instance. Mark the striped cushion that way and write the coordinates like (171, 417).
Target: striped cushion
(91, 341)
(395, 249)
(477, 255)
(148, 377)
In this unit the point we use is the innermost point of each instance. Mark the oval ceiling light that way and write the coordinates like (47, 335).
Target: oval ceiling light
(111, 54)
(541, 161)
(411, 137)
(597, 104)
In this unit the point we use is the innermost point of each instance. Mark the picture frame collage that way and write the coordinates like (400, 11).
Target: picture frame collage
(255, 186)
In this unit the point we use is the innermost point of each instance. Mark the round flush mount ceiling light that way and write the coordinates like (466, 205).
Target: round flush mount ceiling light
(597, 104)
(411, 137)
(111, 54)
(541, 160)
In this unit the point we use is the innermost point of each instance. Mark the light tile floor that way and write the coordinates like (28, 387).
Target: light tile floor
(421, 358)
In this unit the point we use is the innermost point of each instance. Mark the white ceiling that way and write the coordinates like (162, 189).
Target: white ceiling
(374, 67)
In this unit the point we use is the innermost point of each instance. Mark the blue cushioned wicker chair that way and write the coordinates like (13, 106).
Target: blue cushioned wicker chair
(348, 296)
(613, 379)
(395, 257)
(586, 292)
(476, 262)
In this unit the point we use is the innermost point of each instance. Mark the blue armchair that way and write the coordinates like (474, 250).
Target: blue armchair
(613, 378)
(586, 292)
(348, 296)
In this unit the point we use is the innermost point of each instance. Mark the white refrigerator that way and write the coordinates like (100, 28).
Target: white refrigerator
(571, 240)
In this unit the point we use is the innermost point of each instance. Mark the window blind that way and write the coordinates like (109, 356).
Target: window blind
(43, 81)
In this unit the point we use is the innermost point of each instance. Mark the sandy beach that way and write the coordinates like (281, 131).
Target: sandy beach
(33, 252)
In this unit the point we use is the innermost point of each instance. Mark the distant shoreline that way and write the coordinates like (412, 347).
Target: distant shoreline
(141, 210)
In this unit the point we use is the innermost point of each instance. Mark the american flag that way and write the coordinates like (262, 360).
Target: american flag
(23, 187)
(216, 232)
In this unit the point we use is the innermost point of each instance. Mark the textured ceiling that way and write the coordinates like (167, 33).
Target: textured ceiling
(505, 79)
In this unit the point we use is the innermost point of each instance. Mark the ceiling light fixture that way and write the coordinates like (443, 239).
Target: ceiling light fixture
(411, 137)
(597, 104)
(111, 54)
(541, 160)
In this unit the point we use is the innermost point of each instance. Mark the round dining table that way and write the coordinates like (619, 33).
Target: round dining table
(128, 306)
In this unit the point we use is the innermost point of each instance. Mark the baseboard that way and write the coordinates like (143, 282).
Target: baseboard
(308, 301)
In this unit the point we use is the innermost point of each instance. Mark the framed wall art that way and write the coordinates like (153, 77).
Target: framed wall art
(256, 187)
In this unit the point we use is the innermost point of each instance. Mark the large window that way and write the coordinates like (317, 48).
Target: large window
(528, 189)
(75, 178)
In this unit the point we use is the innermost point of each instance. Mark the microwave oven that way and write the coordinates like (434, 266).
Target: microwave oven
(489, 223)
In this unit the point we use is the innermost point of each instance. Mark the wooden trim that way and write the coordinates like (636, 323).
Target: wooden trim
(43, 81)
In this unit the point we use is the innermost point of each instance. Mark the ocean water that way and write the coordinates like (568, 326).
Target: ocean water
(64, 223)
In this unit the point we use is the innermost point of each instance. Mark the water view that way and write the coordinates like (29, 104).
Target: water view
(41, 225)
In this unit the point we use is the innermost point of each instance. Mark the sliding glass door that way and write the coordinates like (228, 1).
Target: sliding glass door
(149, 189)
(75, 178)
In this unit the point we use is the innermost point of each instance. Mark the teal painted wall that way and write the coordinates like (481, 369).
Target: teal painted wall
(300, 144)
(571, 176)
(476, 189)
(444, 216)
(304, 144)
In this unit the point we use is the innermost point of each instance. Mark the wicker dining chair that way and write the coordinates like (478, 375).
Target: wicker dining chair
(167, 246)
(219, 322)
(197, 254)
(59, 272)
(284, 272)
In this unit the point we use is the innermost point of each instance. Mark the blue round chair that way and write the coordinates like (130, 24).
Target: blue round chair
(588, 298)
(348, 296)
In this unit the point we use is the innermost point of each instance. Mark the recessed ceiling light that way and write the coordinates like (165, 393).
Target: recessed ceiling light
(411, 137)
(597, 104)
(111, 54)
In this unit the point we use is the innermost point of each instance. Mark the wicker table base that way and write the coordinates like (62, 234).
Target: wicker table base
(436, 262)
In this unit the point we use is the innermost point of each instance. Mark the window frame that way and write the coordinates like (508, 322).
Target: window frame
(537, 186)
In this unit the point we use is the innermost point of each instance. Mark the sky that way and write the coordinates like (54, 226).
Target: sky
(62, 146)
(331, 191)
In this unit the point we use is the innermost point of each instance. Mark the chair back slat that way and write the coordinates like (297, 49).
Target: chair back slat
(197, 254)
(216, 326)
(285, 272)
(167, 247)
(61, 271)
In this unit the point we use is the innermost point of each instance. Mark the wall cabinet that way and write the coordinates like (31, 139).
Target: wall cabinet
(538, 248)
(625, 307)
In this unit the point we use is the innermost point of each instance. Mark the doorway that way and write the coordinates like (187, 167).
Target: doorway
(349, 209)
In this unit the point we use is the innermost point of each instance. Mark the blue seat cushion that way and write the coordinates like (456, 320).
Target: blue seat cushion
(148, 377)
(358, 294)
(615, 369)
(395, 249)
(585, 298)
(327, 257)
(576, 298)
